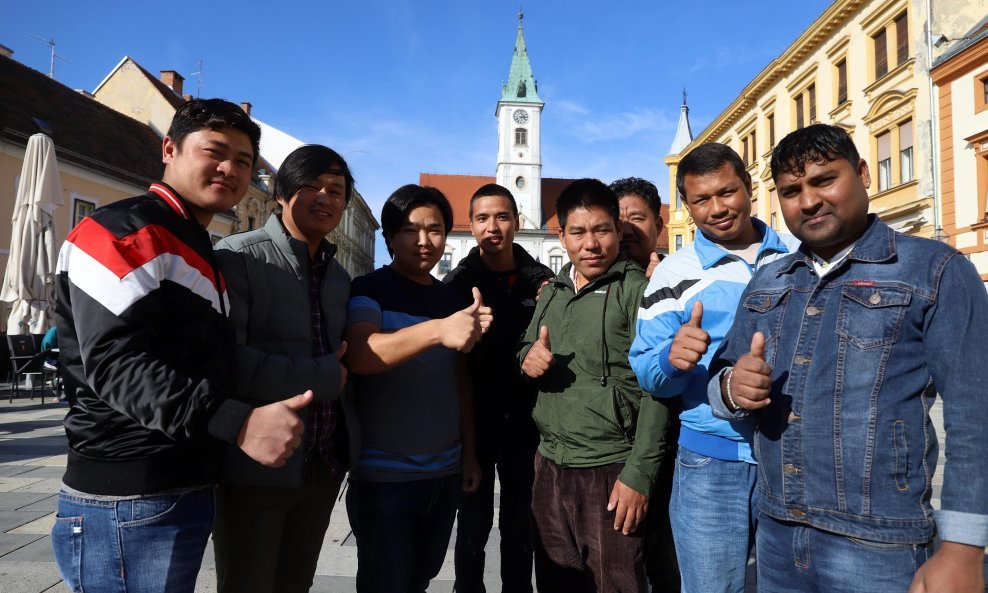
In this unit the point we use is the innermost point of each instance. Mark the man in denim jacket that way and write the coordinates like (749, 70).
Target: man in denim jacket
(839, 351)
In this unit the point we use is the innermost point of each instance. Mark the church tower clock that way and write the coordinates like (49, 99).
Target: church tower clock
(519, 148)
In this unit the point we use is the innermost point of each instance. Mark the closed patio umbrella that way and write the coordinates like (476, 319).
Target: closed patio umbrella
(28, 284)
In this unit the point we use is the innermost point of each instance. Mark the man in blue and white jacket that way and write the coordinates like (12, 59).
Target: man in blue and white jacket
(687, 309)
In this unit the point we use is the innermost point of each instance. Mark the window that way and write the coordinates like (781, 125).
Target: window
(749, 152)
(842, 82)
(906, 151)
(520, 182)
(744, 151)
(679, 242)
(981, 93)
(773, 204)
(804, 106)
(81, 208)
(884, 161)
(446, 263)
(799, 112)
(251, 223)
(521, 137)
(901, 39)
(881, 55)
(771, 130)
(555, 263)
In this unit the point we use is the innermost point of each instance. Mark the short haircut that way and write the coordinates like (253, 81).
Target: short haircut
(213, 114)
(306, 163)
(405, 199)
(636, 186)
(818, 143)
(587, 193)
(707, 158)
(493, 189)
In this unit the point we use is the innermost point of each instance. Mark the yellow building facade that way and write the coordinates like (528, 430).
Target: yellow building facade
(862, 65)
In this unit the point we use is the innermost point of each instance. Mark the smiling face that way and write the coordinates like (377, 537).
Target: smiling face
(493, 224)
(640, 228)
(827, 206)
(419, 242)
(210, 169)
(315, 209)
(591, 241)
(720, 204)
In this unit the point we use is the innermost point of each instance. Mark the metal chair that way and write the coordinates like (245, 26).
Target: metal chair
(25, 360)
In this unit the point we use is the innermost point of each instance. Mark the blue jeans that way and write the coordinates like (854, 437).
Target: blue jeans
(147, 544)
(402, 531)
(713, 515)
(793, 557)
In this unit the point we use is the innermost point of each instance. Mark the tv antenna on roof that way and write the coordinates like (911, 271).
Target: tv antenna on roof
(51, 44)
(198, 75)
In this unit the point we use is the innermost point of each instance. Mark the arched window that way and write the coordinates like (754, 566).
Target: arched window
(522, 89)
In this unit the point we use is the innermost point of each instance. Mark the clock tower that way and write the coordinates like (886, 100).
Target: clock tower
(519, 142)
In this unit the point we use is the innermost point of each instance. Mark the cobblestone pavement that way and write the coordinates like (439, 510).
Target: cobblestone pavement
(32, 460)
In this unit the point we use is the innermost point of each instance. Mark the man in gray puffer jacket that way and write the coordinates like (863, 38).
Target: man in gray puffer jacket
(288, 299)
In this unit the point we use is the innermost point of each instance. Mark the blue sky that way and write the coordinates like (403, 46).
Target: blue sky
(401, 87)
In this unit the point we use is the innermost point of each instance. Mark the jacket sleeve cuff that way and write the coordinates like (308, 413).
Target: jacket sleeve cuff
(631, 477)
(228, 419)
(717, 405)
(963, 528)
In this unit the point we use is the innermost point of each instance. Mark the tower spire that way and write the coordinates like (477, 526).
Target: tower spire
(684, 135)
(521, 85)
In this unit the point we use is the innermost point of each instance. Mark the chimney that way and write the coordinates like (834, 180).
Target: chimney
(245, 105)
(6, 51)
(172, 80)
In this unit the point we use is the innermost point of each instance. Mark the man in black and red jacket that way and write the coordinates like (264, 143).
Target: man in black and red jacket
(146, 357)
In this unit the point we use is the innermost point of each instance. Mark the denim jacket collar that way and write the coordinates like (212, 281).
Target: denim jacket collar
(876, 244)
(710, 253)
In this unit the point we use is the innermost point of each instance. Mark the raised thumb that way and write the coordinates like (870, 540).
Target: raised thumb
(696, 317)
(478, 300)
(544, 336)
(341, 351)
(758, 345)
(299, 401)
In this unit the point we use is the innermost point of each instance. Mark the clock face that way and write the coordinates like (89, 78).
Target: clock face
(521, 116)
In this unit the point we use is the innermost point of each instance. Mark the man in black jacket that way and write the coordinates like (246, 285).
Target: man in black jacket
(146, 358)
(509, 280)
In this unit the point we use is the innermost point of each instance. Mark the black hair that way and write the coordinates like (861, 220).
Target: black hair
(214, 114)
(492, 189)
(817, 143)
(405, 199)
(636, 186)
(306, 163)
(707, 158)
(587, 193)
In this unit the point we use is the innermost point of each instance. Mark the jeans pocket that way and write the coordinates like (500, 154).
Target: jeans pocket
(145, 511)
(875, 546)
(66, 544)
(689, 460)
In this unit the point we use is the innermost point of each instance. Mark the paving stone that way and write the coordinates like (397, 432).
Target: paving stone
(29, 577)
(12, 501)
(42, 471)
(15, 541)
(13, 519)
(7, 470)
(48, 504)
(16, 483)
(40, 526)
(36, 551)
(46, 485)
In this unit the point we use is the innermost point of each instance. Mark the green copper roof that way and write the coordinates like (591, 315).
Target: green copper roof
(521, 85)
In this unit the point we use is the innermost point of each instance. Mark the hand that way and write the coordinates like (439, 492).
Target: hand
(462, 329)
(955, 567)
(340, 353)
(631, 507)
(653, 261)
(691, 342)
(751, 379)
(271, 433)
(471, 474)
(539, 357)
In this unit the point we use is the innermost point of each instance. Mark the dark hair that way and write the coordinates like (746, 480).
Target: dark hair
(493, 189)
(636, 186)
(405, 199)
(587, 193)
(215, 114)
(818, 143)
(304, 164)
(707, 158)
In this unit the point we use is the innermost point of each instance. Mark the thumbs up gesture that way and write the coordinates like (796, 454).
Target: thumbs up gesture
(271, 433)
(653, 262)
(462, 329)
(691, 341)
(539, 357)
(750, 379)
